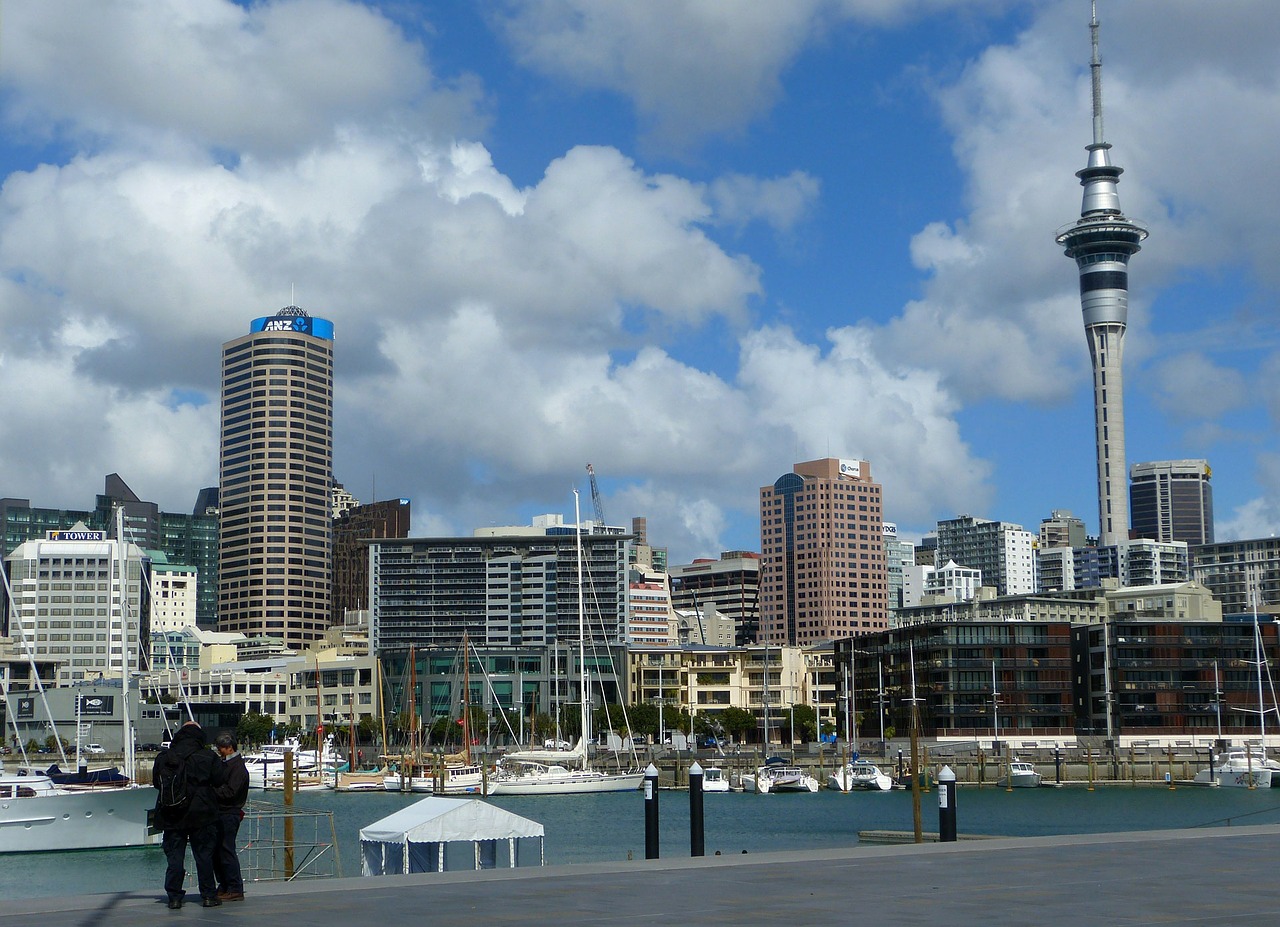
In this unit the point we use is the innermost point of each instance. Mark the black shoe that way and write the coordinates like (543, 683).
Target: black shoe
(175, 904)
(211, 902)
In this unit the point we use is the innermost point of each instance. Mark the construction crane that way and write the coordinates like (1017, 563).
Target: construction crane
(595, 496)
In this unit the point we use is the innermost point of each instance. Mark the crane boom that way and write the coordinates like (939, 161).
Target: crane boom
(595, 496)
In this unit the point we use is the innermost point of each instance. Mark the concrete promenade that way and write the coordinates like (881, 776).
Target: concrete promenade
(1203, 876)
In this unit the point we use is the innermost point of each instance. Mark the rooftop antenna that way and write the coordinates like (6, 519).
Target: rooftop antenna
(1095, 72)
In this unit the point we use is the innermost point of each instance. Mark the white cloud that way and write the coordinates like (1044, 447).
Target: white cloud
(780, 201)
(267, 77)
(1190, 385)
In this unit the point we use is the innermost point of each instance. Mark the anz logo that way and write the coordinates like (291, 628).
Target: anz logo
(287, 325)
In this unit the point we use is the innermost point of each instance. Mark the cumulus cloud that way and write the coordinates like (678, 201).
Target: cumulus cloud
(1190, 385)
(266, 77)
(780, 202)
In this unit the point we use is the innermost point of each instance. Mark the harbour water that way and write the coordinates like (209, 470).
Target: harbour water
(610, 827)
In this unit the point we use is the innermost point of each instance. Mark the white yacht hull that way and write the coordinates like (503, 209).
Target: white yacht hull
(859, 778)
(468, 780)
(779, 779)
(564, 782)
(91, 819)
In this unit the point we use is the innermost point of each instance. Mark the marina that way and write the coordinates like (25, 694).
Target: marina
(609, 827)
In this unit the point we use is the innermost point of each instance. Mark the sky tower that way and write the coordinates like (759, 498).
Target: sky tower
(1101, 242)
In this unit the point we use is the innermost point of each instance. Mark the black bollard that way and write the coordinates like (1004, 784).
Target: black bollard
(651, 812)
(946, 805)
(697, 845)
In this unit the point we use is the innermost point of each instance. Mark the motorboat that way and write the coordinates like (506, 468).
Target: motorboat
(860, 775)
(714, 780)
(774, 778)
(1240, 768)
(38, 815)
(1021, 775)
(266, 766)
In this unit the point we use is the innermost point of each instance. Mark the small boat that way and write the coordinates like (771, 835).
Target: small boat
(714, 780)
(860, 775)
(366, 780)
(1240, 768)
(456, 777)
(773, 778)
(1021, 775)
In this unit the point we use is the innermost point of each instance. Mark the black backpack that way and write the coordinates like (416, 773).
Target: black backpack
(171, 780)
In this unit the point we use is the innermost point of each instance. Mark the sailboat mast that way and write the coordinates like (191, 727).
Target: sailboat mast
(130, 759)
(582, 620)
(466, 697)
(1257, 646)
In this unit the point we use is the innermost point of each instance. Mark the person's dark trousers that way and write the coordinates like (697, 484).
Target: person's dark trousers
(174, 844)
(204, 842)
(226, 862)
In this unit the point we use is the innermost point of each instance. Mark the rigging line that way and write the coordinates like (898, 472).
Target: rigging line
(31, 661)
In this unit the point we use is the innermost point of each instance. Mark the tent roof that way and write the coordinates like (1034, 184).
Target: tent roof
(436, 820)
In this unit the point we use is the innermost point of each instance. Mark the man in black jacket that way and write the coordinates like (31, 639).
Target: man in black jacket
(231, 795)
(195, 821)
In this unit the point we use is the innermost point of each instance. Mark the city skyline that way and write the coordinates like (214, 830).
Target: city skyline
(546, 238)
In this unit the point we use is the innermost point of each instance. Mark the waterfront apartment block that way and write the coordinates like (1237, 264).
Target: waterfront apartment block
(1159, 677)
(513, 586)
(275, 566)
(766, 681)
(823, 572)
(731, 585)
(974, 680)
(1172, 500)
(1004, 552)
(1244, 575)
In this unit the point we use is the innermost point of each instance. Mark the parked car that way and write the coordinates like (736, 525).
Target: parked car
(557, 745)
(95, 749)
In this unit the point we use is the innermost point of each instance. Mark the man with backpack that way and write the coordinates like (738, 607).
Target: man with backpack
(185, 774)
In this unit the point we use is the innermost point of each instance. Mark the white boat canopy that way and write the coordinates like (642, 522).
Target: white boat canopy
(442, 834)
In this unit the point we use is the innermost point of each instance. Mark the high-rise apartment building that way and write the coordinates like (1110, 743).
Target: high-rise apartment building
(731, 585)
(898, 556)
(823, 572)
(351, 530)
(1004, 552)
(1171, 500)
(1062, 529)
(506, 586)
(275, 479)
(1101, 242)
(1243, 574)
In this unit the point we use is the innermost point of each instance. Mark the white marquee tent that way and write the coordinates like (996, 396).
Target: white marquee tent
(438, 834)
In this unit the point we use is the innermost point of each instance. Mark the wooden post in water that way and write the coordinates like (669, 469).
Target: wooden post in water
(288, 818)
(1088, 757)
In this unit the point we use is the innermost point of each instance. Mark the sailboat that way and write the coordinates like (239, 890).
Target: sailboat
(441, 774)
(563, 772)
(38, 815)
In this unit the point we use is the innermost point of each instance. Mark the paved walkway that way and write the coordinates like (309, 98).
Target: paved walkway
(1210, 876)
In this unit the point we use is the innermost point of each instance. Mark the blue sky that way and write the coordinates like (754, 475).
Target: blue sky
(690, 242)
